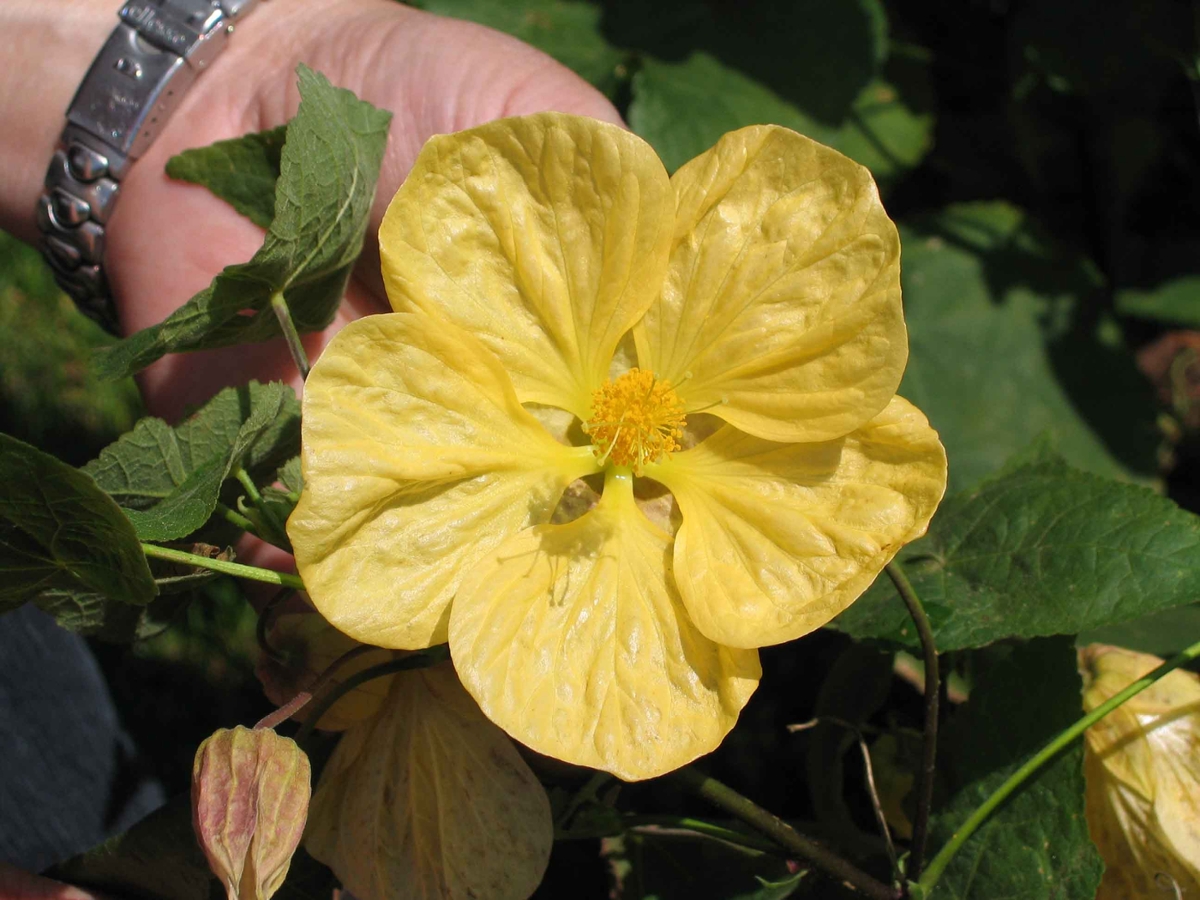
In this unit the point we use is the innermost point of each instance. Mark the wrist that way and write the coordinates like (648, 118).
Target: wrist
(47, 49)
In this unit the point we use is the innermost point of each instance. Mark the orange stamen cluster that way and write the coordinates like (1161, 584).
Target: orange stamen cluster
(636, 419)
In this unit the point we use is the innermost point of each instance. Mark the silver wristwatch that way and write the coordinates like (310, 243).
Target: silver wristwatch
(133, 86)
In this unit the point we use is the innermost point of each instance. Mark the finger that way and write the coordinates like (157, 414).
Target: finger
(18, 885)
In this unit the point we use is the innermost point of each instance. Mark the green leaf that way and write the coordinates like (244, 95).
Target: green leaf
(1041, 549)
(59, 530)
(568, 30)
(1036, 845)
(653, 863)
(169, 479)
(289, 475)
(94, 615)
(241, 171)
(683, 108)
(328, 170)
(1176, 302)
(1003, 347)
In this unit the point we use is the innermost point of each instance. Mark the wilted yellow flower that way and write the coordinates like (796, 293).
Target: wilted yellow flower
(1142, 763)
(549, 263)
(306, 646)
(428, 800)
(250, 792)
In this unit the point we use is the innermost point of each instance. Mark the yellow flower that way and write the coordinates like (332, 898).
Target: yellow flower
(530, 261)
(428, 800)
(1142, 763)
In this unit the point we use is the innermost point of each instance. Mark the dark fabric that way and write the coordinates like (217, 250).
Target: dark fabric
(69, 775)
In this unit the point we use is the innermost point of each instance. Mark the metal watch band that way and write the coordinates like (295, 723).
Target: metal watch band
(132, 88)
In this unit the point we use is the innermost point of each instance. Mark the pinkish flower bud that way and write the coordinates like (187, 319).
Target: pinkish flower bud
(250, 793)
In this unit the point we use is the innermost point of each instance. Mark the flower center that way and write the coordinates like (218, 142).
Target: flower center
(636, 419)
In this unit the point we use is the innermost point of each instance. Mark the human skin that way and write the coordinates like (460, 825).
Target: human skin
(166, 240)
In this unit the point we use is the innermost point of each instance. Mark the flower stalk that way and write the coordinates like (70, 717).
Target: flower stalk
(237, 570)
(916, 855)
(290, 334)
(783, 834)
(419, 660)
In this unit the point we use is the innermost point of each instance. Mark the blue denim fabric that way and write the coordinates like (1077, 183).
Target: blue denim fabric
(69, 775)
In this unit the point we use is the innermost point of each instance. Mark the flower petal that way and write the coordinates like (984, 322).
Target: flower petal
(1142, 763)
(430, 801)
(417, 459)
(781, 306)
(777, 539)
(546, 236)
(572, 639)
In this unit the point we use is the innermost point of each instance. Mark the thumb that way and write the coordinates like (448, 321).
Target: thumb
(18, 885)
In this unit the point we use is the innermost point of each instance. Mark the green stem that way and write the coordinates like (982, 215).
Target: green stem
(290, 334)
(1002, 793)
(279, 532)
(237, 570)
(236, 518)
(783, 834)
(420, 660)
(709, 829)
(920, 832)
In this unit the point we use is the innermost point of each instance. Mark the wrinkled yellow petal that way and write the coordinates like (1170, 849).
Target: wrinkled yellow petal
(1142, 763)
(305, 647)
(430, 801)
(781, 306)
(572, 639)
(546, 236)
(777, 539)
(417, 459)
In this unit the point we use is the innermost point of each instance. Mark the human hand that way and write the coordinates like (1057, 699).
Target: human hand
(18, 885)
(167, 239)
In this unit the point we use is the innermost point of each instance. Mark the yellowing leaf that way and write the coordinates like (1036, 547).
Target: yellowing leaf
(1142, 763)
(574, 640)
(777, 539)
(430, 801)
(546, 236)
(417, 459)
(781, 307)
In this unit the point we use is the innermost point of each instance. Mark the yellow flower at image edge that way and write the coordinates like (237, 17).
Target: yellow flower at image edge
(1142, 763)
(545, 269)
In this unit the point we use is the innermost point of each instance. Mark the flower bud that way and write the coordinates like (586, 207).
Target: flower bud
(1142, 764)
(250, 793)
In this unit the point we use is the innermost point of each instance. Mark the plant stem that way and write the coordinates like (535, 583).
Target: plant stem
(1060, 741)
(237, 519)
(783, 834)
(237, 570)
(920, 832)
(709, 829)
(290, 334)
(277, 527)
(420, 660)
